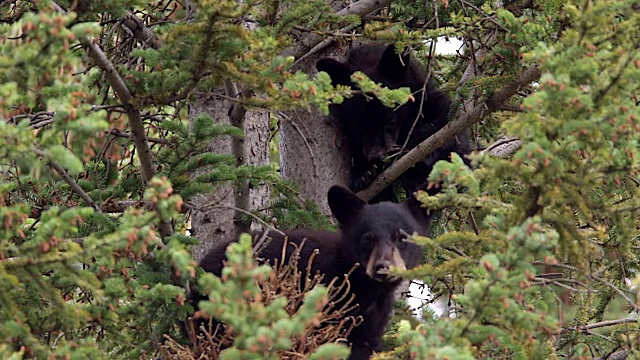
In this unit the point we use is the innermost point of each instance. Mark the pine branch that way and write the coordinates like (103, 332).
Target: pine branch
(464, 120)
(360, 8)
(123, 93)
(69, 180)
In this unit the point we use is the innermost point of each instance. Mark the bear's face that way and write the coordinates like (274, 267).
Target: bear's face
(375, 235)
(372, 126)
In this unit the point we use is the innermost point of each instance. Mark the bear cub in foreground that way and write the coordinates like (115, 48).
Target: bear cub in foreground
(370, 235)
(373, 130)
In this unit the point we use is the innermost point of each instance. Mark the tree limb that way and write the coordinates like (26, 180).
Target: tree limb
(464, 120)
(70, 181)
(618, 355)
(123, 93)
(135, 119)
(503, 147)
(360, 8)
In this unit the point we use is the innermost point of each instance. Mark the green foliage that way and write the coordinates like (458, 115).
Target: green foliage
(552, 227)
(88, 267)
(292, 212)
(535, 250)
(82, 287)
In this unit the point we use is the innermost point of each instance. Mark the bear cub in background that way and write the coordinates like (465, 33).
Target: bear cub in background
(369, 235)
(373, 130)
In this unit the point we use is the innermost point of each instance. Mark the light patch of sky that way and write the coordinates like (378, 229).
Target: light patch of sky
(448, 46)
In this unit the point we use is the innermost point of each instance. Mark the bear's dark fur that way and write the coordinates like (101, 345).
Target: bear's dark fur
(369, 235)
(373, 130)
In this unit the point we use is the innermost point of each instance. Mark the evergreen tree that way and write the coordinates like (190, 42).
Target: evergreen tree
(537, 248)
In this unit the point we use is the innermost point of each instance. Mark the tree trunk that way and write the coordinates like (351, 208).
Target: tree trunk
(212, 220)
(313, 152)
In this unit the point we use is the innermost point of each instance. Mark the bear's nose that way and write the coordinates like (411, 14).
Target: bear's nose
(382, 267)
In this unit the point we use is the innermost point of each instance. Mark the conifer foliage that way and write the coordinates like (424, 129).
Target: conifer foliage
(536, 250)
(99, 160)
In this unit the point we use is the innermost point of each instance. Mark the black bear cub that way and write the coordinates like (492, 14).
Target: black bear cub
(373, 130)
(369, 235)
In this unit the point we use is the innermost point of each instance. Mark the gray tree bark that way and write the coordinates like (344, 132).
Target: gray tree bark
(212, 219)
(312, 151)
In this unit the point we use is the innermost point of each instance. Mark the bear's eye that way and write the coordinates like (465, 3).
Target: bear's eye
(399, 236)
(367, 239)
(390, 123)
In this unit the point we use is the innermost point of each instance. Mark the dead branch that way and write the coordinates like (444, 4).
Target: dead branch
(140, 31)
(503, 147)
(333, 323)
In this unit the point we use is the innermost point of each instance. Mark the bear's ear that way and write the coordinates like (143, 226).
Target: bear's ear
(422, 215)
(344, 203)
(339, 72)
(392, 65)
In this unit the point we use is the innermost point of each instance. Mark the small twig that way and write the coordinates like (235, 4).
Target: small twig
(474, 223)
(209, 206)
(596, 278)
(118, 133)
(602, 324)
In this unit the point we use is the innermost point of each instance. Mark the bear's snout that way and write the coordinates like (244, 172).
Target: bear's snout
(384, 258)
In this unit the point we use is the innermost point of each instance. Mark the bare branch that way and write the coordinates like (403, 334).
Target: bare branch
(618, 355)
(464, 120)
(135, 119)
(118, 133)
(503, 147)
(602, 324)
(322, 44)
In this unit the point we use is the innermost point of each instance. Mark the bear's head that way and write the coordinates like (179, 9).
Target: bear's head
(375, 235)
(371, 126)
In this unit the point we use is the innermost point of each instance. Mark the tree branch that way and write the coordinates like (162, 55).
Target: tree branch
(464, 120)
(618, 355)
(135, 119)
(360, 8)
(120, 134)
(503, 147)
(601, 324)
(123, 93)
(70, 181)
